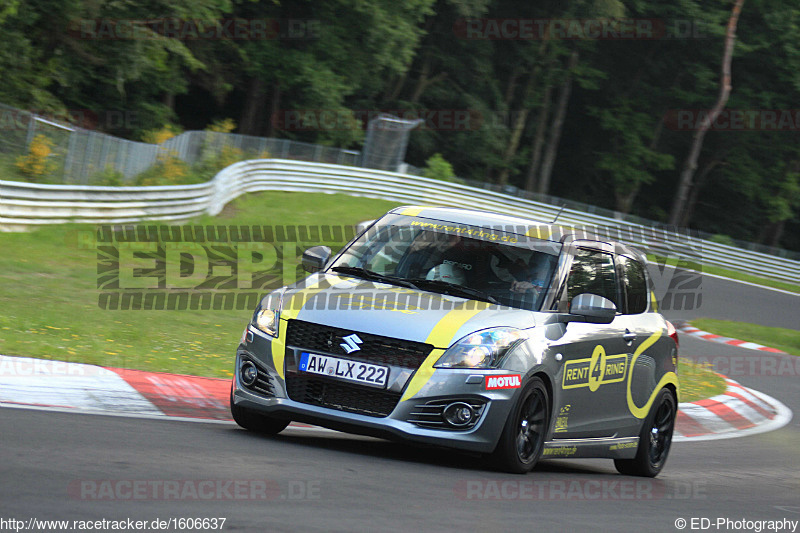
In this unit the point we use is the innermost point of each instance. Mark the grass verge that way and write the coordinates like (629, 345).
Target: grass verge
(50, 294)
(787, 340)
(698, 381)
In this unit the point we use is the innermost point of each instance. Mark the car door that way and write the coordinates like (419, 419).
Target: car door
(640, 323)
(594, 357)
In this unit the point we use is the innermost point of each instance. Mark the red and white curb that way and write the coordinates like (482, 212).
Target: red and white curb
(688, 329)
(82, 388)
(737, 412)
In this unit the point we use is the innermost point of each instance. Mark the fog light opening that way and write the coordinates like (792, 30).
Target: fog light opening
(249, 373)
(459, 414)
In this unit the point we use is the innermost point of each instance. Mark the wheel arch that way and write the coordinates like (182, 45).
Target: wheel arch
(674, 391)
(550, 388)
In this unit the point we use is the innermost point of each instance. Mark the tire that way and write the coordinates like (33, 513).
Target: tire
(522, 440)
(655, 439)
(256, 422)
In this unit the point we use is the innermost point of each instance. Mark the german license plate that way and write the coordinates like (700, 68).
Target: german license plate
(353, 371)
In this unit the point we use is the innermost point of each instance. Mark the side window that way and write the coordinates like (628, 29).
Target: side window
(635, 283)
(593, 272)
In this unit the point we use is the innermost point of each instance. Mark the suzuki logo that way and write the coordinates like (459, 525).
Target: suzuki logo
(351, 343)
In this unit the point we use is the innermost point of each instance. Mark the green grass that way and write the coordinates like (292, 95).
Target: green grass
(50, 295)
(718, 271)
(698, 381)
(50, 309)
(787, 340)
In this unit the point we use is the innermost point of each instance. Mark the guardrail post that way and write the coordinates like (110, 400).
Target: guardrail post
(31, 130)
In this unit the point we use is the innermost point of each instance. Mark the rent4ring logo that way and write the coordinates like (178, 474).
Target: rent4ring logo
(600, 369)
(199, 267)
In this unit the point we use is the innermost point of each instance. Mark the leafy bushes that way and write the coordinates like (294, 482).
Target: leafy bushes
(437, 167)
(39, 162)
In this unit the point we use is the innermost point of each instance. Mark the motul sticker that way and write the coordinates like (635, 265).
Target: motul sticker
(513, 381)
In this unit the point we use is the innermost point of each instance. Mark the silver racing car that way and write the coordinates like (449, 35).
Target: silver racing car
(471, 330)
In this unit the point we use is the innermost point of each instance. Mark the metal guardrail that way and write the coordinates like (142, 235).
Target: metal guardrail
(23, 205)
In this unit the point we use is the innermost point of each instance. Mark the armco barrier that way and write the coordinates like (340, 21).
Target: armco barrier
(23, 205)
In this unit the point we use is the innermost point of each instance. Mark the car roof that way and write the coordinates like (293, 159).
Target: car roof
(530, 227)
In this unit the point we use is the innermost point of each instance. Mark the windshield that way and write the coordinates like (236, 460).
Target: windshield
(471, 262)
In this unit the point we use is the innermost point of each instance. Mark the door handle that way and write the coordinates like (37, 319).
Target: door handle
(629, 336)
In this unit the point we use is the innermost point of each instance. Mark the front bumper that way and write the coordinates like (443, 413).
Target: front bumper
(410, 419)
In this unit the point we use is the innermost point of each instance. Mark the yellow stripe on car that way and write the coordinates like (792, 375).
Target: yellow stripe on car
(412, 211)
(539, 232)
(667, 378)
(441, 336)
(290, 311)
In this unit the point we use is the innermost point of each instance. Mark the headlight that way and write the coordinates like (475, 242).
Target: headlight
(268, 314)
(483, 349)
(267, 321)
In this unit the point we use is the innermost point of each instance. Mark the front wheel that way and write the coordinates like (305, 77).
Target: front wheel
(254, 421)
(524, 434)
(654, 439)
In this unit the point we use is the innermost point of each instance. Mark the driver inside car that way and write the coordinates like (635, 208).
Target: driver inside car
(522, 278)
(448, 272)
(429, 250)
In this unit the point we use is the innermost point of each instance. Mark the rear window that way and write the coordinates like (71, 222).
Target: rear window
(635, 283)
(593, 272)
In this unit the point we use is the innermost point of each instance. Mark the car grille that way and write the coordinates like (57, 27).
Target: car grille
(334, 394)
(263, 384)
(430, 414)
(342, 396)
(375, 348)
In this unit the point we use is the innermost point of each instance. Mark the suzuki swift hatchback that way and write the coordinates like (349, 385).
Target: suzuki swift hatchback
(471, 330)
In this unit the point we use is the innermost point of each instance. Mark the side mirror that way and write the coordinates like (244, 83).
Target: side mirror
(593, 308)
(315, 258)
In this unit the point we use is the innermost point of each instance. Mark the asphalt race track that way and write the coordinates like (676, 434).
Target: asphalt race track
(89, 467)
(727, 300)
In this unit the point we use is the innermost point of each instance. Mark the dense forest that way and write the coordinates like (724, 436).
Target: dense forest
(598, 101)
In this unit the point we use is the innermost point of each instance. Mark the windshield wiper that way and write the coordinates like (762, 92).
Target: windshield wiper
(361, 272)
(454, 289)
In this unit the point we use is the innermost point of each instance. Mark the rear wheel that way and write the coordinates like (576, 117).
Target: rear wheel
(655, 439)
(255, 421)
(523, 436)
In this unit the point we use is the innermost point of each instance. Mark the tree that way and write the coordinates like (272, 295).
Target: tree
(690, 165)
(330, 68)
(632, 155)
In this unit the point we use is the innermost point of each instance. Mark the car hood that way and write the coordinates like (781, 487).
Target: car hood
(398, 312)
